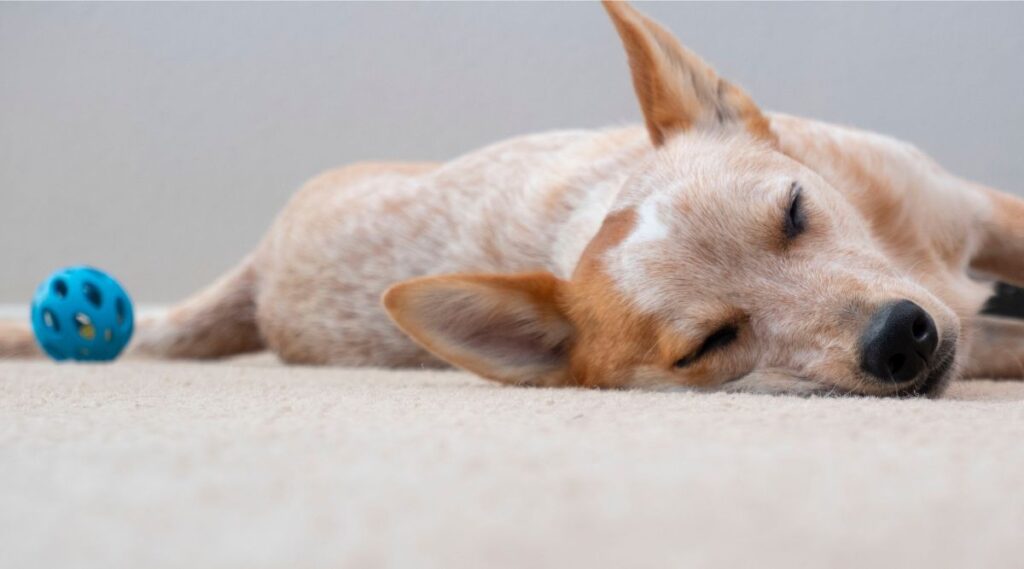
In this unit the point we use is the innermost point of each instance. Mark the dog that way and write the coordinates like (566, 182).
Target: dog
(715, 247)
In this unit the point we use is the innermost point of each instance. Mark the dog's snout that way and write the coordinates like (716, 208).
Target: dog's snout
(899, 343)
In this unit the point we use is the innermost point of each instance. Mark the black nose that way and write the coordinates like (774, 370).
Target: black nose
(899, 343)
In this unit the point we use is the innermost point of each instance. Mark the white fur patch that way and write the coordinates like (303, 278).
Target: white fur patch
(626, 262)
(649, 226)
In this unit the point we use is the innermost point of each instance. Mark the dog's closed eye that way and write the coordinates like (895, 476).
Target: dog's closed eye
(795, 221)
(719, 339)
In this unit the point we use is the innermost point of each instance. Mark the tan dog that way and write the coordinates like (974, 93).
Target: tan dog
(719, 248)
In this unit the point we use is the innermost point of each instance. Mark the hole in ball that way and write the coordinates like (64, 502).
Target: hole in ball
(60, 288)
(50, 320)
(85, 328)
(92, 294)
(119, 309)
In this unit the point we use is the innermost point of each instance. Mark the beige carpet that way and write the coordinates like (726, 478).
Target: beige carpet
(248, 464)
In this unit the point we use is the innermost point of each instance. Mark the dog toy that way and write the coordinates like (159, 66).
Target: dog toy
(82, 313)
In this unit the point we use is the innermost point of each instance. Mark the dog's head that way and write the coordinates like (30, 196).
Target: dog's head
(723, 264)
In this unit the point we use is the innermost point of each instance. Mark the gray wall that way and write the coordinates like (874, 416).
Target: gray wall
(158, 140)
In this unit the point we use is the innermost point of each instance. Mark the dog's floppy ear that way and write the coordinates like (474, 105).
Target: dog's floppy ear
(509, 328)
(677, 90)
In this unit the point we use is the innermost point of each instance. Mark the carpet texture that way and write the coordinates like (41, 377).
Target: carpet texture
(250, 464)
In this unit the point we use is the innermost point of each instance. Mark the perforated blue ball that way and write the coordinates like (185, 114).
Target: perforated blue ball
(82, 313)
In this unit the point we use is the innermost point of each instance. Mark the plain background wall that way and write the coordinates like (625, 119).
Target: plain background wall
(159, 140)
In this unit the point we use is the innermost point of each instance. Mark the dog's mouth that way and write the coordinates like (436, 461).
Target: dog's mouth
(930, 385)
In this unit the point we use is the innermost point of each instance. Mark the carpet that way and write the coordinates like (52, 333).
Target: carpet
(247, 463)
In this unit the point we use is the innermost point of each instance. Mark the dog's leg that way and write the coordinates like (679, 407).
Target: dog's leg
(997, 349)
(1001, 246)
(216, 322)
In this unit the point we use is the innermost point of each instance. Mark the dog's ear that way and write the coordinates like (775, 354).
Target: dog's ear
(507, 328)
(677, 90)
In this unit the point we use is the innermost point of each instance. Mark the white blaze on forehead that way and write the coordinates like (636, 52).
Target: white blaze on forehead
(649, 225)
(626, 263)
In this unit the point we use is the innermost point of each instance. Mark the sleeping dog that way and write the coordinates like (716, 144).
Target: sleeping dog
(716, 247)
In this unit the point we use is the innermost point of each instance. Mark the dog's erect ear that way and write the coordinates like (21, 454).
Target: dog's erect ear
(677, 90)
(507, 328)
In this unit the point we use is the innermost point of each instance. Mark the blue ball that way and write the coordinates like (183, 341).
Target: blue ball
(82, 313)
